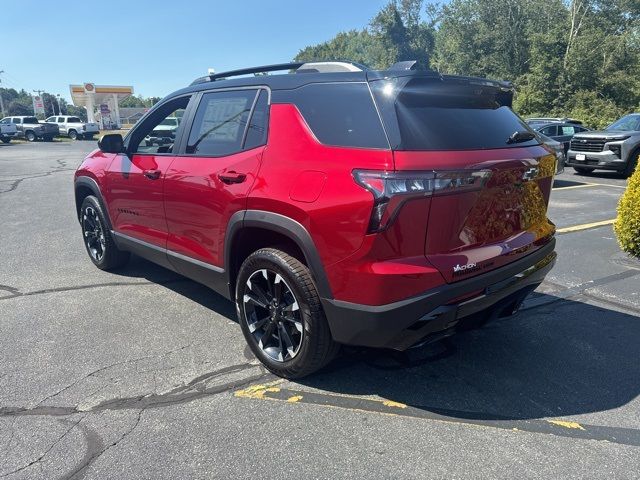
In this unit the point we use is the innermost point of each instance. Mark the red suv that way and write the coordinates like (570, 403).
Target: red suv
(333, 203)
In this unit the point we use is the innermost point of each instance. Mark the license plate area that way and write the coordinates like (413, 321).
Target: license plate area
(581, 157)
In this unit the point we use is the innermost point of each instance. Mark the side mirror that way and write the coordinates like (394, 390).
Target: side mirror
(111, 143)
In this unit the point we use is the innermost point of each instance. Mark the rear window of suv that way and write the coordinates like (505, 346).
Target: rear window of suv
(432, 114)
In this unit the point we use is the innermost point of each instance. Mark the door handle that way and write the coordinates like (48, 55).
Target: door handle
(232, 177)
(151, 174)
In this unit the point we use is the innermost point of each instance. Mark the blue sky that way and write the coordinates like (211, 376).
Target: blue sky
(160, 46)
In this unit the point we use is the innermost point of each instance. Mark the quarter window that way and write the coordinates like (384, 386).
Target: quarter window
(220, 123)
(567, 130)
(257, 131)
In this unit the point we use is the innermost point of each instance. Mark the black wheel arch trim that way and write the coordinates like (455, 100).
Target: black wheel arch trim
(92, 185)
(285, 226)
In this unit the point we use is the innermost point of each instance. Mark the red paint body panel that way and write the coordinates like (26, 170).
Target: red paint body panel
(134, 201)
(337, 220)
(198, 204)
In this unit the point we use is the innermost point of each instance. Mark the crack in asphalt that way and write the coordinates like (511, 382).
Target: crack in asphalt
(193, 390)
(15, 292)
(568, 293)
(39, 459)
(62, 167)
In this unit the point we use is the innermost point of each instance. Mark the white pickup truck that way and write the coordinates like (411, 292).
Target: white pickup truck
(74, 128)
(8, 130)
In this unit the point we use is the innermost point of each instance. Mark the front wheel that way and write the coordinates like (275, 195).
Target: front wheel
(281, 316)
(583, 170)
(6, 140)
(30, 136)
(98, 241)
(632, 163)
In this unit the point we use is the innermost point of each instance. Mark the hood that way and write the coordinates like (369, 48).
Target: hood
(607, 134)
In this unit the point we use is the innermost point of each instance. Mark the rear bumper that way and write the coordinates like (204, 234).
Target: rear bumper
(436, 313)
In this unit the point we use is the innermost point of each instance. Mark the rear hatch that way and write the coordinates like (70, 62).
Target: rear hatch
(492, 177)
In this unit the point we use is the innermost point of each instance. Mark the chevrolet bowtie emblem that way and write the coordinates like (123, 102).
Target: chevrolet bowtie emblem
(530, 174)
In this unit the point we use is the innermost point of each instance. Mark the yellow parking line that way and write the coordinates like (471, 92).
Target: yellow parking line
(585, 226)
(608, 185)
(584, 185)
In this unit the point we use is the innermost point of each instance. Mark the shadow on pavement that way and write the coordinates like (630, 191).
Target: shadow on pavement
(562, 359)
(566, 359)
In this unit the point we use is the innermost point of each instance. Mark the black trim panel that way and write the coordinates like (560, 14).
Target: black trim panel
(92, 185)
(210, 275)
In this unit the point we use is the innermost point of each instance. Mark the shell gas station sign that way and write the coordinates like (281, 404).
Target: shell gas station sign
(101, 102)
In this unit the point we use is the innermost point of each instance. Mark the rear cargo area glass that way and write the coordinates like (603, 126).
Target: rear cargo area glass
(435, 114)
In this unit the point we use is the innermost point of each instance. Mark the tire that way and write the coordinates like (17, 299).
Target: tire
(98, 241)
(6, 140)
(632, 163)
(73, 135)
(583, 170)
(300, 341)
(48, 139)
(30, 136)
(87, 136)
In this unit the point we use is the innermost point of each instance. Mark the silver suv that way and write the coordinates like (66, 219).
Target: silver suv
(617, 147)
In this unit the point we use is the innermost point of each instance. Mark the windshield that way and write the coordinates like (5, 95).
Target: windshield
(30, 120)
(627, 123)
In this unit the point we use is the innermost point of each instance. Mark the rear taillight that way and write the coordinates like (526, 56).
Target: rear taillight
(391, 189)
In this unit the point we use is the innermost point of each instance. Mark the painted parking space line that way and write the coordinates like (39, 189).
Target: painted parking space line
(582, 185)
(558, 427)
(585, 226)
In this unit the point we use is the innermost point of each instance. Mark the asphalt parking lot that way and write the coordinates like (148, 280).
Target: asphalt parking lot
(144, 374)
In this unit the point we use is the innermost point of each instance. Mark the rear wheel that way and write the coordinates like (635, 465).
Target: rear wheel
(281, 316)
(583, 170)
(30, 136)
(98, 241)
(73, 135)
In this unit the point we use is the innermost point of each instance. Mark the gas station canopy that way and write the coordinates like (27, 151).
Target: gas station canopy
(100, 99)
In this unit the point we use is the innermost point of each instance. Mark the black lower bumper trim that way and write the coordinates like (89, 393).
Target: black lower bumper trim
(402, 324)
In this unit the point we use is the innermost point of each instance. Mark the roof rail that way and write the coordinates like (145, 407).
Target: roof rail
(299, 67)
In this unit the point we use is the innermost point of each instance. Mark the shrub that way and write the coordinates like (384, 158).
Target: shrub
(627, 225)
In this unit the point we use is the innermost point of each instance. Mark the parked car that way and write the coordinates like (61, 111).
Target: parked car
(321, 203)
(558, 149)
(616, 148)
(31, 129)
(74, 128)
(8, 130)
(559, 131)
(165, 133)
(553, 119)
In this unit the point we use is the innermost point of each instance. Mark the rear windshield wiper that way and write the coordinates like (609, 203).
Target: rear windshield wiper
(520, 136)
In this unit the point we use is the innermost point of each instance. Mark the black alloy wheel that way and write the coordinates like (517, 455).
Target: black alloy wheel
(93, 232)
(273, 315)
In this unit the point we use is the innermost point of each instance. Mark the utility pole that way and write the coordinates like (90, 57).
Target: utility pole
(1, 102)
(59, 107)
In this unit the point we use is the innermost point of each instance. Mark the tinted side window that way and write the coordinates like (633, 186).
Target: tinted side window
(550, 131)
(257, 131)
(16, 120)
(220, 123)
(567, 130)
(341, 114)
